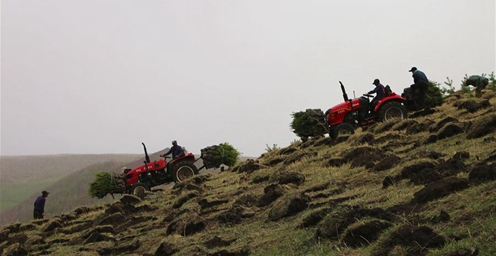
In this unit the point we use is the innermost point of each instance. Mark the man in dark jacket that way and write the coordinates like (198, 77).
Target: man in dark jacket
(39, 206)
(379, 91)
(479, 82)
(176, 150)
(419, 88)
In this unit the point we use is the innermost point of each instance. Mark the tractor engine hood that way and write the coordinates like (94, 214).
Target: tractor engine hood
(346, 105)
(337, 112)
(156, 165)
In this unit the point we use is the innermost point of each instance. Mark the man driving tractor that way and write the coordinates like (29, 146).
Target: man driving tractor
(380, 94)
(176, 150)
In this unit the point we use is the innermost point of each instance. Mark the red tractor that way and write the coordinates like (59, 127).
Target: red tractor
(144, 177)
(345, 117)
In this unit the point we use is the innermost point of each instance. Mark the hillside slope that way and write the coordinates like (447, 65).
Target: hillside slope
(424, 185)
(72, 190)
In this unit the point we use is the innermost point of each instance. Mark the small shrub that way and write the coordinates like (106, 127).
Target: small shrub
(464, 87)
(216, 155)
(309, 123)
(434, 95)
(102, 185)
(492, 82)
(451, 89)
(273, 148)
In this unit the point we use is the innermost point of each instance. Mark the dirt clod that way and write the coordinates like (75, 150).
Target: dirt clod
(482, 173)
(364, 234)
(439, 189)
(417, 240)
(386, 163)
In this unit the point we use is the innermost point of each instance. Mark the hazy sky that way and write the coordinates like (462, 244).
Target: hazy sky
(104, 76)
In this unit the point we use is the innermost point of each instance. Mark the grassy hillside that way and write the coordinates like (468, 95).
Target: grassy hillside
(12, 194)
(66, 193)
(421, 186)
(22, 177)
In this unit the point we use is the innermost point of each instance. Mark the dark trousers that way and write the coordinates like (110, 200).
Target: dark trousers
(419, 90)
(480, 86)
(373, 103)
(37, 215)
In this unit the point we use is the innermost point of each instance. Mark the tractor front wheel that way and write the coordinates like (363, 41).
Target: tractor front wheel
(341, 129)
(139, 189)
(184, 170)
(392, 110)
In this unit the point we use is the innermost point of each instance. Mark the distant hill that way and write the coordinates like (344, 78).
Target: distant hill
(420, 186)
(24, 176)
(16, 169)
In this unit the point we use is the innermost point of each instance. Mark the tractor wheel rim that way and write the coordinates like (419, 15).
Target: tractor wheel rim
(184, 173)
(344, 131)
(138, 190)
(394, 113)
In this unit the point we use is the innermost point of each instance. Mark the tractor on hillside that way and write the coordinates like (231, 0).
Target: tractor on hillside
(346, 116)
(150, 174)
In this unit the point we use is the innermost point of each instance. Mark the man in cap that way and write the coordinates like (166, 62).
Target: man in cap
(379, 91)
(419, 88)
(39, 205)
(176, 150)
(479, 82)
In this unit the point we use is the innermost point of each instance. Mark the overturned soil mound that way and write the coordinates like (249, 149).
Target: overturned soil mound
(248, 166)
(417, 240)
(449, 130)
(364, 234)
(482, 126)
(386, 163)
(357, 156)
(437, 126)
(482, 173)
(419, 127)
(439, 189)
(472, 105)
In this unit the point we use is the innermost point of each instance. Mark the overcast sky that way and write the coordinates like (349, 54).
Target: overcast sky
(104, 76)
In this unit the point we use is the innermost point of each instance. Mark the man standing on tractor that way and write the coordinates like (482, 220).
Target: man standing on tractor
(419, 88)
(39, 206)
(380, 94)
(479, 82)
(176, 151)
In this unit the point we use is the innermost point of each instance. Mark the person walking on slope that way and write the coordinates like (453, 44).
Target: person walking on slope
(419, 88)
(380, 94)
(479, 82)
(39, 206)
(176, 151)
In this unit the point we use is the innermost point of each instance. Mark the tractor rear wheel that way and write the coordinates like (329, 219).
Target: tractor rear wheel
(139, 189)
(341, 130)
(392, 110)
(184, 170)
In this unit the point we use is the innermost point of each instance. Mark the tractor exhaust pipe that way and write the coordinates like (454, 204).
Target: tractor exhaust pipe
(146, 153)
(345, 96)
